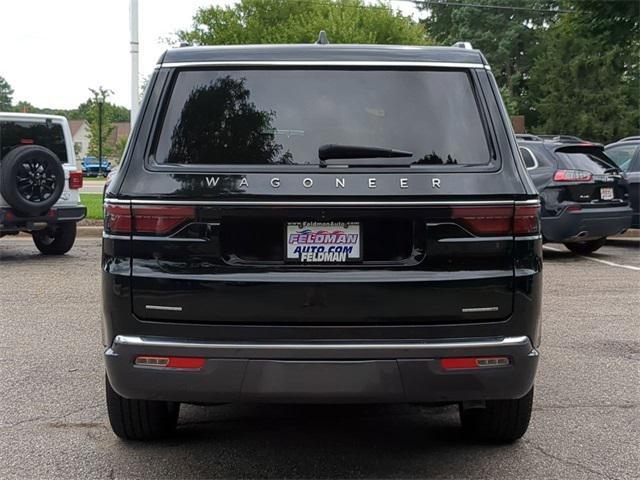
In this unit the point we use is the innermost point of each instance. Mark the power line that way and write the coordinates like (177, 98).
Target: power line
(447, 3)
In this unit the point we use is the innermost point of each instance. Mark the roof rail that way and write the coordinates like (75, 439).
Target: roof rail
(184, 44)
(465, 45)
(322, 38)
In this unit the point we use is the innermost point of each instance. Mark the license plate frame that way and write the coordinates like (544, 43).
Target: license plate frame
(607, 193)
(336, 234)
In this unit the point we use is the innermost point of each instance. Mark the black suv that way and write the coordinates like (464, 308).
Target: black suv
(322, 224)
(584, 194)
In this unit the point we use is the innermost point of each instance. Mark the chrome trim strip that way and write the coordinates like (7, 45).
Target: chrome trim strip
(304, 203)
(177, 343)
(529, 238)
(476, 239)
(320, 63)
(163, 307)
(115, 237)
(480, 309)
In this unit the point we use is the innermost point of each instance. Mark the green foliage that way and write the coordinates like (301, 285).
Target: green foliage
(91, 113)
(6, 95)
(299, 21)
(584, 84)
(93, 202)
(508, 38)
(574, 73)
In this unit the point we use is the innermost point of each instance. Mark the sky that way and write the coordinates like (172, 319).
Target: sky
(53, 51)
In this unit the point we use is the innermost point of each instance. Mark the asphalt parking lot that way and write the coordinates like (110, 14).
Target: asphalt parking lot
(585, 424)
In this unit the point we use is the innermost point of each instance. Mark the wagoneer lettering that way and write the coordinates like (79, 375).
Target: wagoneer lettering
(303, 231)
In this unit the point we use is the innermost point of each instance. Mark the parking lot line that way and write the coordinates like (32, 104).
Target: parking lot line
(611, 264)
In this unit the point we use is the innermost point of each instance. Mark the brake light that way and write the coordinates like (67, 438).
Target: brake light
(75, 180)
(193, 363)
(160, 220)
(26, 141)
(572, 176)
(473, 362)
(152, 220)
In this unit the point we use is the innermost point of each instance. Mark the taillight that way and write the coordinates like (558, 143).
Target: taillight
(572, 176)
(160, 220)
(485, 220)
(147, 220)
(502, 220)
(526, 220)
(75, 180)
(117, 219)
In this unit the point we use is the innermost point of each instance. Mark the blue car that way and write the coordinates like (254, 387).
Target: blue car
(91, 167)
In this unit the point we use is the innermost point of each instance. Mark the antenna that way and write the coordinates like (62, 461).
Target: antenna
(322, 38)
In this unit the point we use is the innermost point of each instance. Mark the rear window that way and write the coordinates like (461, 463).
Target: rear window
(47, 134)
(622, 155)
(594, 162)
(282, 117)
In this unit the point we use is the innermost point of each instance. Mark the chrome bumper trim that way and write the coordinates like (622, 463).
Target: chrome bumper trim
(351, 346)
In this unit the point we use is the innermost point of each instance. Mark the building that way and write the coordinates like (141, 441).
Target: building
(80, 136)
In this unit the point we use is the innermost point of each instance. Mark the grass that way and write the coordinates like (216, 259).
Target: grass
(93, 202)
(93, 179)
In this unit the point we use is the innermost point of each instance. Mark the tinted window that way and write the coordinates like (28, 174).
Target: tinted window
(282, 117)
(594, 162)
(622, 155)
(529, 161)
(46, 134)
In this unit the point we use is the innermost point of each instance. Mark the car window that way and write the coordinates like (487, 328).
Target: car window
(529, 160)
(594, 162)
(282, 117)
(622, 155)
(47, 134)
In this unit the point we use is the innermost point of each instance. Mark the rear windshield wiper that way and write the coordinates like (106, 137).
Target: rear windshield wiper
(326, 152)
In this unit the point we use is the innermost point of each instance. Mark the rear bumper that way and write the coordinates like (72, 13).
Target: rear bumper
(322, 372)
(586, 224)
(12, 222)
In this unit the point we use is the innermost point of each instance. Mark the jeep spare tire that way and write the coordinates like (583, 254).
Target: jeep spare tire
(31, 179)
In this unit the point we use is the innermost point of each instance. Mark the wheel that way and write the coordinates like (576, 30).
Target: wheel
(501, 421)
(32, 179)
(140, 419)
(587, 247)
(57, 240)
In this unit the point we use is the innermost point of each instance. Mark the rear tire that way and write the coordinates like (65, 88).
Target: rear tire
(586, 248)
(501, 421)
(140, 419)
(56, 241)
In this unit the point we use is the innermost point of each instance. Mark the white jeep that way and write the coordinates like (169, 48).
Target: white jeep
(39, 181)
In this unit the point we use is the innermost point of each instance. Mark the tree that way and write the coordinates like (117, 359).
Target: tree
(585, 79)
(509, 38)
(24, 107)
(90, 109)
(6, 95)
(299, 21)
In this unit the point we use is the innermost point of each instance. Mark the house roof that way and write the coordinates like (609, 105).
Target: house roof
(74, 126)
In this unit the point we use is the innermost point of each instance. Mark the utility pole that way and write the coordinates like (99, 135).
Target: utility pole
(100, 99)
(135, 48)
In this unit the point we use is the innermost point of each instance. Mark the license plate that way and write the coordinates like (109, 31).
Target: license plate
(606, 193)
(323, 242)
